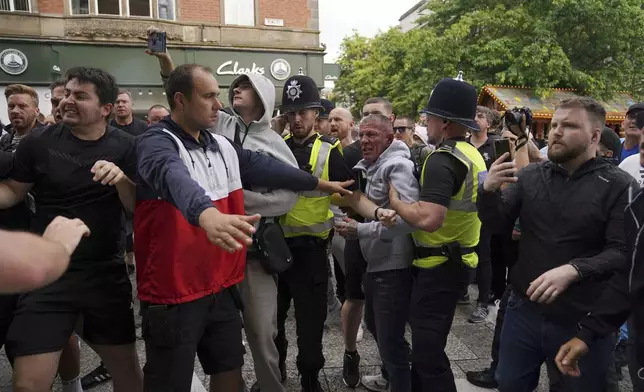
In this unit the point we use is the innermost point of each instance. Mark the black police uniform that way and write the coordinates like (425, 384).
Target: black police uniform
(307, 279)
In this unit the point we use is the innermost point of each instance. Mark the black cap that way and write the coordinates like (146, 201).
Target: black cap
(639, 120)
(300, 92)
(455, 101)
(635, 108)
(327, 106)
(610, 140)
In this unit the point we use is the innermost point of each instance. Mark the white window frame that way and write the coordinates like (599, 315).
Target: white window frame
(89, 11)
(127, 9)
(227, 22)
(174, 10)
(12, 6)
(97, 13)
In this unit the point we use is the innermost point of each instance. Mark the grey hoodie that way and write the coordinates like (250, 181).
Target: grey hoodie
(260, 137)
(392, 249)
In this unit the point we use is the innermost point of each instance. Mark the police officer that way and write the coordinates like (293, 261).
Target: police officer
(308, 228)
(448, 230)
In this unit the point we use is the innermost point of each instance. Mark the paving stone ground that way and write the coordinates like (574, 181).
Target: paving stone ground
(468, 348)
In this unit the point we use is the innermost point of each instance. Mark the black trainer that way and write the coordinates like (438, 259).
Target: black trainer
(95, 378)
(482, 379)
(255, 387)
(351, 369)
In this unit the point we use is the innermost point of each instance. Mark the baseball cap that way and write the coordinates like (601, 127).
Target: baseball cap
(610, 140)
(635, 108)
(639, 120)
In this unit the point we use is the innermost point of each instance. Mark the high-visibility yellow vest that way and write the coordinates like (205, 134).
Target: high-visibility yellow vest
(461, 223)
(311, 215)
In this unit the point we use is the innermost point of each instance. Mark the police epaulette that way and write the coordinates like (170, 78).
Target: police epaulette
(448, 146)
(329, 139)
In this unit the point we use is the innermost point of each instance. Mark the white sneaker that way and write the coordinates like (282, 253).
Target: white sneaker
(360, 334)
(376, 383)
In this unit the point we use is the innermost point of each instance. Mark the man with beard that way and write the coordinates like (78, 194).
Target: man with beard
(308, 227)
(341, 123)
(65, 166)
(322, 124)
(123, 117)
(447, 230)
(22, 103)
(572, 240)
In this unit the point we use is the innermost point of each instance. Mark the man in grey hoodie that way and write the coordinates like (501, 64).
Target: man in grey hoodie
(388, 281)
(252, 98)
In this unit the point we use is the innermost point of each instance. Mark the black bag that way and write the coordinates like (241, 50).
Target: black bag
(275, 255)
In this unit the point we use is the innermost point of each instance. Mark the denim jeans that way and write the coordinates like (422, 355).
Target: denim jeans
(530, 337)
(387, 297)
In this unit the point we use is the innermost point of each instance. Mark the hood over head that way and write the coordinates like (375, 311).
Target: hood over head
(265, 90)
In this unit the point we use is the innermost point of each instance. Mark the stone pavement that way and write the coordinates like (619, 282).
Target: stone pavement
(468, 348)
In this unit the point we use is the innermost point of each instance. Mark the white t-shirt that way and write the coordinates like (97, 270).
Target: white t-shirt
(632, 166)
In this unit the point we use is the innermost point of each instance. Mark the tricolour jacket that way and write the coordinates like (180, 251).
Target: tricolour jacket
(178, 178)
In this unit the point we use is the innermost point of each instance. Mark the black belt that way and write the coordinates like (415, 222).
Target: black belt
(422, 252)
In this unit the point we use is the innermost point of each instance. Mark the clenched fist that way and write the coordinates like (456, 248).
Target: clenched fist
(67, 232)
(107, 173)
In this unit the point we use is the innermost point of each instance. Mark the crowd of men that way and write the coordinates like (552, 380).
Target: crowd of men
(229, 216)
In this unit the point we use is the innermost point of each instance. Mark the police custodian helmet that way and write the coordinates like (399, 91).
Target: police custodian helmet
(300, 92)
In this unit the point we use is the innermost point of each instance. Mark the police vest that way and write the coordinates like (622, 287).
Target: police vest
(461, 223)
(311, 215)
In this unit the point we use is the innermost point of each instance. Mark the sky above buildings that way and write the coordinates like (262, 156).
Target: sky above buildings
(338, 18)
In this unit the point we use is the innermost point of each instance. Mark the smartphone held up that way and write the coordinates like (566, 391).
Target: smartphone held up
(157, 42)
(501, 146)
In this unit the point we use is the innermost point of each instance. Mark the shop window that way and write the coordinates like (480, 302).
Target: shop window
(140, 8)
(80, 7)
(239, 12)
(15, 5)
(166, 9)
(108, 7)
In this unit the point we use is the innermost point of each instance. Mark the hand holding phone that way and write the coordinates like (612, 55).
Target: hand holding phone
(157, 42)
(501, 146)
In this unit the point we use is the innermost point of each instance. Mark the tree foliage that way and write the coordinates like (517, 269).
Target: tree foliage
(594, 46)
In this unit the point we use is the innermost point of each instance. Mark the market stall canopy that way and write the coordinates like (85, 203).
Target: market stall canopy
(508, 97)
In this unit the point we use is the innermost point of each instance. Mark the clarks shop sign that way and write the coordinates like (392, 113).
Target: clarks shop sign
(280, 69)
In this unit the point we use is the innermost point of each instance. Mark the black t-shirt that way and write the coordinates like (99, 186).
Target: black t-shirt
(444, 176)
(353, 155)
(135, 128)
(487, 150)
(58, 164)
(339, 170)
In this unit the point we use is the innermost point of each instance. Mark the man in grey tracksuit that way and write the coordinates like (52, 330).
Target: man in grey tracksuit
(388, 252)
(252, 98)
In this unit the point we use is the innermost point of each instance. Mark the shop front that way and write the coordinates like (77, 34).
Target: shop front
(37, 64)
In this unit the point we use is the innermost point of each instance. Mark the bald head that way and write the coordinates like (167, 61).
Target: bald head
(341, 122)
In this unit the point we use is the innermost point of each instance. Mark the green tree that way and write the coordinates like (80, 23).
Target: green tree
(594, 46)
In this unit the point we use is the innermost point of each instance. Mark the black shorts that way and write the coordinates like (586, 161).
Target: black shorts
(129, 243)
(209, 327)
(45, 318)
(355, 266)
(8, 303)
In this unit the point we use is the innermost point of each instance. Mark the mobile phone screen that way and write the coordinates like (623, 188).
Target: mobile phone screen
(502, 146)
(157, 42)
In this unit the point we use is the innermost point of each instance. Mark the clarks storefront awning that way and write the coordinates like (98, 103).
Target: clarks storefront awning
(139, 73)
(506, 97)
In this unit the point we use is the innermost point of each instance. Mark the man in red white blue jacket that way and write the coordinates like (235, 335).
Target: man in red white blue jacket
(191, 234)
